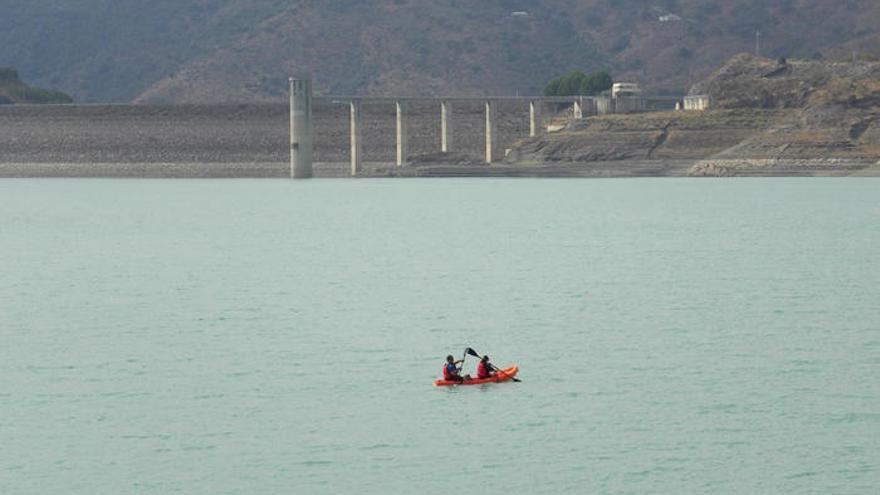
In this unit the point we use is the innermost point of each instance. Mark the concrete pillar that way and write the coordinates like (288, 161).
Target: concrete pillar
(603, 105)
(356, 145)
(535, 121)
(300, 128)
(445, 126)
(491, 131)
(402, 130)
(577, 110)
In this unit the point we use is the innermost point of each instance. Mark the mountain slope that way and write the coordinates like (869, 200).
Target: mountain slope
(243, 50)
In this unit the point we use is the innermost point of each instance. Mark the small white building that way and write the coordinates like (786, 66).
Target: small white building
(697, 102)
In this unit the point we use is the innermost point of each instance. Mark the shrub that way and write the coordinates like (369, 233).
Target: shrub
(8, 74)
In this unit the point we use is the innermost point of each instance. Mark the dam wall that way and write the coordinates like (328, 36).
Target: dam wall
(243, 136)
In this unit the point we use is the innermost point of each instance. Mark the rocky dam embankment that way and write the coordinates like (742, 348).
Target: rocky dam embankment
(251, 141)
(246, 140)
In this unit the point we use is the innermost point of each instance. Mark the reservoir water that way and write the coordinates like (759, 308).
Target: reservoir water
(270, 336)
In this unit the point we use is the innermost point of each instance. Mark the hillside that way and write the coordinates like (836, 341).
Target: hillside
(836, 110)
(243, 50)
(13, 90)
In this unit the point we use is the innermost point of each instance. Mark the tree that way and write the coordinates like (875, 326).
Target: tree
(8, 74)
(577, 83)
(13, 90)
(600, 81)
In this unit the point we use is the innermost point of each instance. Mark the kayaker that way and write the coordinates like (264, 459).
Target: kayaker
(485, 368)
(451, 370)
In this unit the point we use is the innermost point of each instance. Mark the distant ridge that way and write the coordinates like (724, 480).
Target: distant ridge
(243, 50)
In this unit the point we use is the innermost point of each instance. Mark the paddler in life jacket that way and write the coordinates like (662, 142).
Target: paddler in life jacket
(451, 370)
(485, 368)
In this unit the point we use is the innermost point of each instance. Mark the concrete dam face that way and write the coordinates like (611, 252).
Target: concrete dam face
(466, 133)
(240, 133)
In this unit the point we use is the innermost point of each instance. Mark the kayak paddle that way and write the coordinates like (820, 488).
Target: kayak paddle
(491, 366)
(463, 357)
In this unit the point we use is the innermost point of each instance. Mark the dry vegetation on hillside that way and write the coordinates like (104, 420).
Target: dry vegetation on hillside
(244, 50)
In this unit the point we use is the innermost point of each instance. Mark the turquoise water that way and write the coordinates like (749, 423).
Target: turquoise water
(269, 336)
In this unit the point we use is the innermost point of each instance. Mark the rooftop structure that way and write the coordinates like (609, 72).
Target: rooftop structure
(625, 89)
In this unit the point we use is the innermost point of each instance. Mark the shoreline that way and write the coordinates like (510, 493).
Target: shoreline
(830, 167)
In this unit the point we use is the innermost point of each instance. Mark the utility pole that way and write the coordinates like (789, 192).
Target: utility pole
(757, 43)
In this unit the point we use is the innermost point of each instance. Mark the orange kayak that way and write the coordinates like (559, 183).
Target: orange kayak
(499, 376)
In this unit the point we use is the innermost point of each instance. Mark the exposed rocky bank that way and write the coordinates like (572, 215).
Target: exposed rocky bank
(769, 118)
